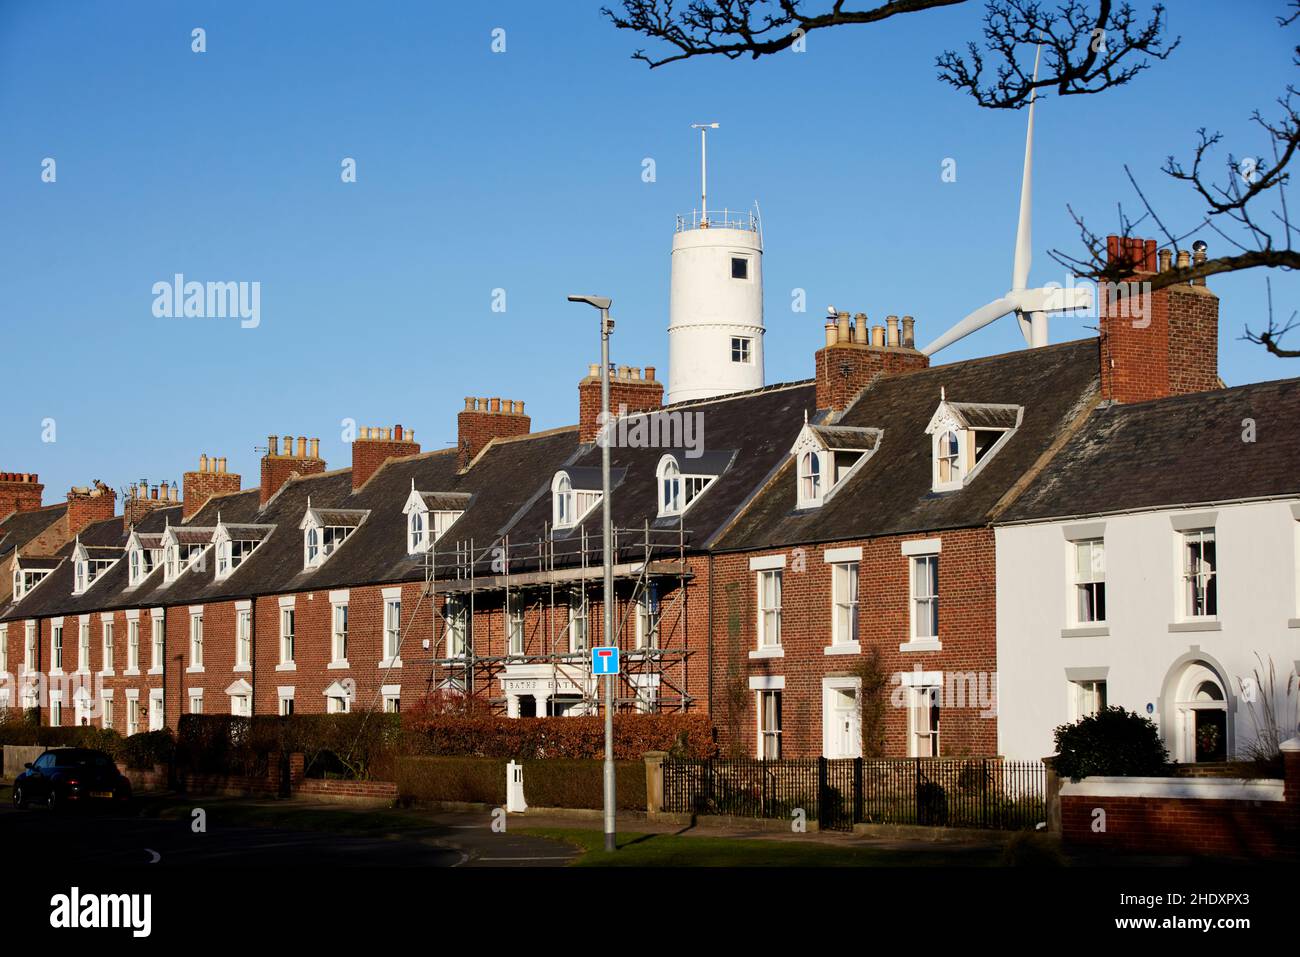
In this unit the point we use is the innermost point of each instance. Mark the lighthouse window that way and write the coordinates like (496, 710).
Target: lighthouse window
(739, 267)
(740, 349)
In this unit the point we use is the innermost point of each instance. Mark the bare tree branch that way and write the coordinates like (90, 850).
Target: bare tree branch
(1271, 337)
(1086, 51)
(1083, 51)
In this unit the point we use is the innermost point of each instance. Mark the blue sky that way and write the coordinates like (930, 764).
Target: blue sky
(519, 171)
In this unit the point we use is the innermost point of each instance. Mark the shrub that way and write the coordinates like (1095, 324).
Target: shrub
(143, 751)
(685, 736)
(342, 745)
(1111, 742)
(547, 783)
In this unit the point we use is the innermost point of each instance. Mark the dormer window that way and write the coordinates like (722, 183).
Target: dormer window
(234, 543)
(826, 456)
(325, 530)
(570, 503)
(88, 564)
(429, 515)
(810, 477)
(142, 555)
(678, 490)
(965, 435)
(26, 577)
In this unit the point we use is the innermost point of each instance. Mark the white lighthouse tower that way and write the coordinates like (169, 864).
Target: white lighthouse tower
(715, 307)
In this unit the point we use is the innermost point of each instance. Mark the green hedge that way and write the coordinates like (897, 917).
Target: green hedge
(342, 745)
(568, 783)
(681, 735)
(139, 751)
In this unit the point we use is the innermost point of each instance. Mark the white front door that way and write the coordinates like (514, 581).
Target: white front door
(843, 735)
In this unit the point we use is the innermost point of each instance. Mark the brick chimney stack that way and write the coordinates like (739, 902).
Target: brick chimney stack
(19, 492)
(1161, 343)
(143, 498)
(89, 505)
(854, 356)
(483, 420)
(210, 479)
(630, 390)
(279, 465)
(375, 446)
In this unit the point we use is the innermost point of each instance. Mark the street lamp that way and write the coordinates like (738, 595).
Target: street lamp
(606, 327)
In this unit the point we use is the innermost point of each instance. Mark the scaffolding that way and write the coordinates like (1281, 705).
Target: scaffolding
(559, 572)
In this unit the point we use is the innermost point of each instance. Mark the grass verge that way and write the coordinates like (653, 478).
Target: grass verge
(672, 850)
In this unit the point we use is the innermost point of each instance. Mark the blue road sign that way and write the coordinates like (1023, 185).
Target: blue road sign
(604, 661)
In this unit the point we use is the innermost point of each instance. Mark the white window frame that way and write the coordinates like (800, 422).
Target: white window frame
(4, 651)
(157, 710)
(769, 616)
(1087, 696)
(569, 506)
(648, 612)
(339, 630)
(678, 490)
(769, 711)
(579, 620)
(106, 644)
(927, 696)
(392, 698)
(195, 639)
(56, 646)
(417, 538)
(845, 603)
(106, 709)
(954, 458)
(30, 646)
(516, 623)
(157, 640)
(196, 700)
(83, 644)
(915, 602)
(1092, 585)
(243, 636)
(132, 712)
(132, 643)
(1208, 582)
(811, 479)
(288, 636)
(392, 634)
(744, 346)
(286, 696)
(456, 618)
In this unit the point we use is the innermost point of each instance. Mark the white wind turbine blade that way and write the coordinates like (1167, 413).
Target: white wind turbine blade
(978, 319)
(1024, 229)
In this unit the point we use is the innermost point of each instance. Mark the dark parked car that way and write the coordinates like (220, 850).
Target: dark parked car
(71, 776)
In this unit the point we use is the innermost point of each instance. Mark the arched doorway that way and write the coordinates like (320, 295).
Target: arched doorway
(1200, 704)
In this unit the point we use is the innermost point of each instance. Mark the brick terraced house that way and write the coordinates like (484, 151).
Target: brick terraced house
(770, 545)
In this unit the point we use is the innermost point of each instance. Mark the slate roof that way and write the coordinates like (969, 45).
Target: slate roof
(891, 493)
(847, 438)
(20, 528)
(1184, 450)
(763, 422)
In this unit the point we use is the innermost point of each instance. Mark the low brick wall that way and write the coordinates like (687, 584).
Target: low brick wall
(1204, 816)
(331, 790)
(144, 780)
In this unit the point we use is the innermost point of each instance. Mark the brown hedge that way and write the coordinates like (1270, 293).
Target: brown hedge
(682, 735)
(560, 782)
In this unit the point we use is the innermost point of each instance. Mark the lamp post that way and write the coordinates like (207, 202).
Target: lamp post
(607, 559)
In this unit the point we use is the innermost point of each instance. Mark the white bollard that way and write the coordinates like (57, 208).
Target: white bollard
(515, 803)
